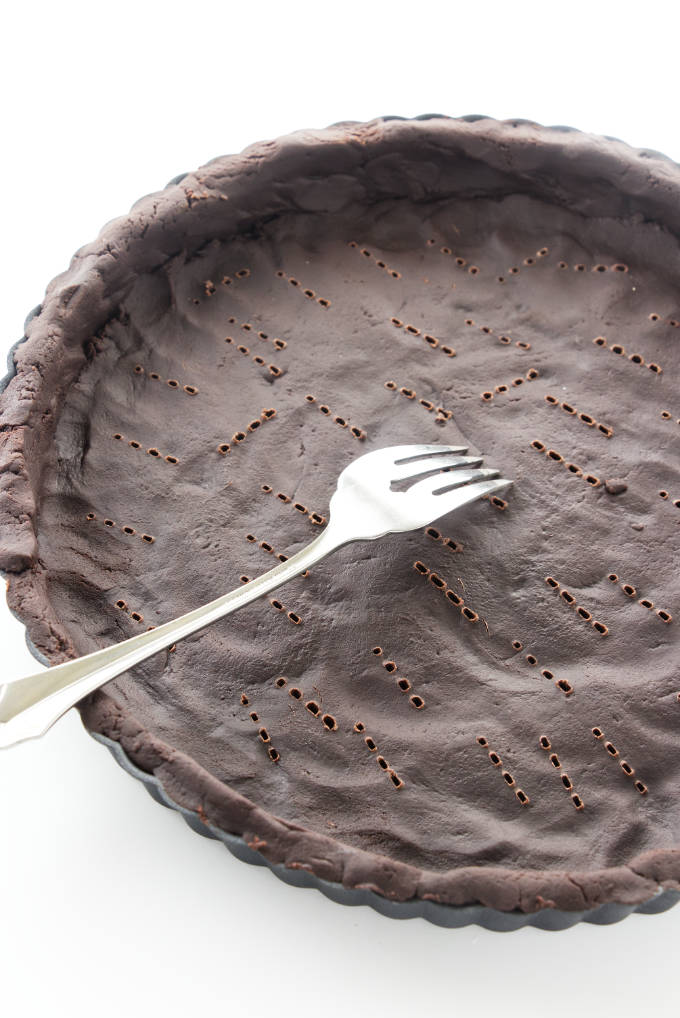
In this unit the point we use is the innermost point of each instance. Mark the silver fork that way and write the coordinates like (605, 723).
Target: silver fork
(363, 507)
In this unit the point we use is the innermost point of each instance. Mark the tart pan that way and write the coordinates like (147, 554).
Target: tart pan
(658, 897)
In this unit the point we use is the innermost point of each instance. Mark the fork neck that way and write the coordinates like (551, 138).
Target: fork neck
(330, 538)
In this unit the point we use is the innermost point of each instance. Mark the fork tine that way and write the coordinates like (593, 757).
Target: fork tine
(447, 460)
(401, 452)
(381, 462)
(451, 480)
(441, 505)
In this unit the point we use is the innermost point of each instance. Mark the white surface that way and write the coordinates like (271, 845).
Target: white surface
(109, 904)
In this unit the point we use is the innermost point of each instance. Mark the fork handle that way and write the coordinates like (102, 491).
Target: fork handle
(29, 706)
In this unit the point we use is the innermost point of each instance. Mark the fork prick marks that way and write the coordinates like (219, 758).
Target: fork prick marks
(632, 592)
(402, 682)
(496, 502)
(586, 419)
(448, 542)
(568, 598)
(655, 317)
(172, 383)
(369, 255)
(460, 262)
(316, 518)
(495, 759)
(227, 281)
(546, 745)
(432, 341)
(126, 529)
(248, 327)
(273, 369)
(562, 684)
(503, 338)
(598, 268)
(155, 453)
(488, 394)
(137, 617)
(342, 422)
(277, 605)
(314, 708)
(224, 448)
(210, 289)
(666, 415)
(122, 605)
(262, 732)
(372, 747)
(442, 415)
(533, 259)
(452, 596)
(310, 294)
(665, 495)
(267, 547)
(557, 457)
(613, 752)
(620, 351)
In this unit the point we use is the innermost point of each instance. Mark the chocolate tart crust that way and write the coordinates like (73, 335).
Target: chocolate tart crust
(317, 172)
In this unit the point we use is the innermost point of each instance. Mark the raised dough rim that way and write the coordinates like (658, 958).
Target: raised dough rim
(666, 887)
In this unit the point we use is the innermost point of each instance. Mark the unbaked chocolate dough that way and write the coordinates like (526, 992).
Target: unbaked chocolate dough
(483, 711)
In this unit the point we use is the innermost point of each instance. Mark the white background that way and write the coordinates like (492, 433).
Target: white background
(109, 904)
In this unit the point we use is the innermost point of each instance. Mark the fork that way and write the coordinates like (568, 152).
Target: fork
(364, 506)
